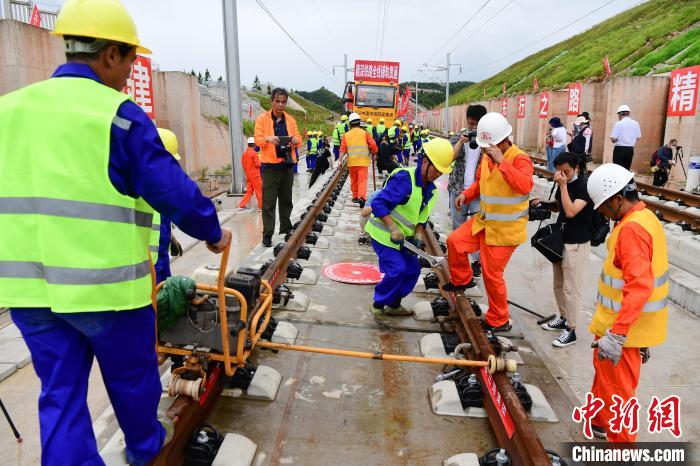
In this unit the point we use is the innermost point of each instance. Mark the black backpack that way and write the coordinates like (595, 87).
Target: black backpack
(578, 143)
(600, 227)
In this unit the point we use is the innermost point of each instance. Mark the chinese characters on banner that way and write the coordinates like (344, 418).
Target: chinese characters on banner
(381, 71)
(544, 104)
(498, 402)
(140, 85)
(683, 95)
(521, 106)
(504, 106)
(574, 99)
(36, 17)
(661, 415)
(405, 99)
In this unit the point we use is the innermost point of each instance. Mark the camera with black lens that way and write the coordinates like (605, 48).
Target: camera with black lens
(284, 149)
(539, 212)
(471, 135)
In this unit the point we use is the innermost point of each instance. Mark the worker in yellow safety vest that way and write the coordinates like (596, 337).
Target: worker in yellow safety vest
(77, 201)
(632, 305)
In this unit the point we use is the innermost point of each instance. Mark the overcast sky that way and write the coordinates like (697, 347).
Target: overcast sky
(188, 34)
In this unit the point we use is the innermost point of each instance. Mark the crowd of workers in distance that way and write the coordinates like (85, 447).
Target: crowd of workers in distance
(74, 250)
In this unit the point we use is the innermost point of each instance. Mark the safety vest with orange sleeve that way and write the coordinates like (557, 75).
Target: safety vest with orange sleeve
(650, 326)
(264, 126)
(358, 144)
(504, 210)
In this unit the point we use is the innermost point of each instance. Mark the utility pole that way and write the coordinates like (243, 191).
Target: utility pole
(447, 91)
(233, 79)
(345, 68)
(415, 113)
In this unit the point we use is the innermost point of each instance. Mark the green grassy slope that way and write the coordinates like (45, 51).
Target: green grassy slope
(654, 37)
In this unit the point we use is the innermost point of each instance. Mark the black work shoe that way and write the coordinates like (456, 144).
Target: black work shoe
(362, 203)
(267, 241)
(355, 200)
(503, 328)
(599, 432)
(476, 268)
(285, 232)
(559, 324)
(451, 287)
(567, 338)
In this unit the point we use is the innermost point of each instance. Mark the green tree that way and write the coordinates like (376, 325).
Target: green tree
(199, 78)
(269, 90)
(221, 79)
(207, 75)
(256, 83)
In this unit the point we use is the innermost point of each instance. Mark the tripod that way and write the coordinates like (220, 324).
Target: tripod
(9, 421)
(679, 156)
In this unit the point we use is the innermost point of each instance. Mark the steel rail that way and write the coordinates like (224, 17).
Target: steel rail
(188, 414)
(510, 423)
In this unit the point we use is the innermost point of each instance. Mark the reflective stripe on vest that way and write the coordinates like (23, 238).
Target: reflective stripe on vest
(649, 329)
(70, 241)
(405, 216)
(503, 211)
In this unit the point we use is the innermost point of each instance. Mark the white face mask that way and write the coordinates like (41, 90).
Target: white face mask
(573, 179)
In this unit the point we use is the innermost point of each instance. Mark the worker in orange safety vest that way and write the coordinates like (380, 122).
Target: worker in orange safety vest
(503, 183)
(632, 306)
(251, 168)
(359, 146)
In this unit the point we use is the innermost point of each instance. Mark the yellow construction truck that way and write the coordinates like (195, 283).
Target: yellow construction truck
(374, 91)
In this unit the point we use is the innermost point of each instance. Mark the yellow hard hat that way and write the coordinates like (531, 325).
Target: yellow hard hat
(319, 133)
(309, 133)
(369, 120)
(344, 118)
(440, 152)
(381, 120)
(404, 128)
(99, 19)
(398, 122)
(424, 132)
(169, 141)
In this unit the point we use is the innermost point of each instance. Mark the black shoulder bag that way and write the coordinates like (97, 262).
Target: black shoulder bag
(549, 239)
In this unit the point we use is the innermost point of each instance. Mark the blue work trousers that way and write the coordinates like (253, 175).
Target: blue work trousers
(551, 155)
(336, 151)
(310, 161)
(401, 270)
(63, 347)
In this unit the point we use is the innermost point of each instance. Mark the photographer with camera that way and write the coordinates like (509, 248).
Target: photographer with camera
(575, 211)
(277, 135)
(662, 161)
(467, 155)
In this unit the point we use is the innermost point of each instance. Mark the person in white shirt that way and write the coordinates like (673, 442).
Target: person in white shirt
(467, 156)
(559, 137)
(625, 135)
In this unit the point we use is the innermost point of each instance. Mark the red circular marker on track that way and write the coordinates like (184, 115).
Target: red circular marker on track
(356, 273)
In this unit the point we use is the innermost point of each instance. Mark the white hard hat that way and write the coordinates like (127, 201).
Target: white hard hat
(606, 181)
(251, 140)
(354, 117)
(580, 120)
(492, 129)
(623, 108)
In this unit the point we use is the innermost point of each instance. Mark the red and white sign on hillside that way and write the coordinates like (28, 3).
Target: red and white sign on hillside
(140, 85)
(544, 104)
(683, 95)
(521, 106)
(574, 99)
(36, 17)
(504, 106)
(381, 71)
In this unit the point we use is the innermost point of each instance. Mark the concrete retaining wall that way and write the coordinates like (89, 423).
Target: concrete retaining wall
(29, 54)
(646, 95)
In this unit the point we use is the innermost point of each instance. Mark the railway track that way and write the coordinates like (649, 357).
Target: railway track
(671, 206)
(509, 422)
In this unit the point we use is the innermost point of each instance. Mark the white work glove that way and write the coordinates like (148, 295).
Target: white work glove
(610, 346)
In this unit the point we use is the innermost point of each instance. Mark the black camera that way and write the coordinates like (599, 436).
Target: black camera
(539, 213)
(472, 138)
(284, 149)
